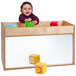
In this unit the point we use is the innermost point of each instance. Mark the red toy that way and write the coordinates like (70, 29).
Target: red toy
(54, 23)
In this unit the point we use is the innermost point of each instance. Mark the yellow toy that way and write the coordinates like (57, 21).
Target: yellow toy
(40, 68)
(34, 58)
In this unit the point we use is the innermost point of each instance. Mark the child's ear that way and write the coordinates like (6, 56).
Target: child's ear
(21, 11)
(32, 10)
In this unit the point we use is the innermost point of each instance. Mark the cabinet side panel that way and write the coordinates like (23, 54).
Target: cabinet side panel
(2, 44)
(74, 45)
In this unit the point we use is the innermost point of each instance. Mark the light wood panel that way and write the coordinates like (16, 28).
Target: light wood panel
(74, 45)
(41, 23)
(23, 31)
(3, 45)
(65, 23)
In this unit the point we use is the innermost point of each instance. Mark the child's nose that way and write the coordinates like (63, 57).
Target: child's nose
(27, 9)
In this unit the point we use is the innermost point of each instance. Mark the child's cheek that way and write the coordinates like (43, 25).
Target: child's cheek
(30, 11)
(25, 11)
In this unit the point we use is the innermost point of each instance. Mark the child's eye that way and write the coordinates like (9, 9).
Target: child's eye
(29, 8)
(24, 8)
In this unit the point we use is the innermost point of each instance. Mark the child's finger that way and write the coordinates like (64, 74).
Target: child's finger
(29, 19)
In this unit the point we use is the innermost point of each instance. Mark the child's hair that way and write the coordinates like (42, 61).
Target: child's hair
(26, 3)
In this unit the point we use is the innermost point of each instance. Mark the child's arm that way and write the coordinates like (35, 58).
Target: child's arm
(36, 19)
(34, 22)
(22, 19)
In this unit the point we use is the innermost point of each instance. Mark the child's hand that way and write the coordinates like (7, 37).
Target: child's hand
(26, 19)
(34, 22)
(29, 19)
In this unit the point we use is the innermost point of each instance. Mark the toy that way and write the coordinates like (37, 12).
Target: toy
(11, 25)
(40, 68)
(34, 58)
(54, 23)
(28, 24)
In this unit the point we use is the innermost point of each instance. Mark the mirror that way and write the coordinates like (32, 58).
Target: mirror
(53, 50)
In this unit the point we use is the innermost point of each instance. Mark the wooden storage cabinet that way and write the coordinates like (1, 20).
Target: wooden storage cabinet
(55, 45)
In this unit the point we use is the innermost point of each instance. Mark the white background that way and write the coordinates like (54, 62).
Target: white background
(46, 10)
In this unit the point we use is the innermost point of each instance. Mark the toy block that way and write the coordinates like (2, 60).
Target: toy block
(40, 68)
(28, 24)
(34, 58)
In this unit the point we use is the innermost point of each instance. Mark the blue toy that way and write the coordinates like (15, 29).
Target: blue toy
(11, 25)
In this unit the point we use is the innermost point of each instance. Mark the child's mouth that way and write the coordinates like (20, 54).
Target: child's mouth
(27, 12)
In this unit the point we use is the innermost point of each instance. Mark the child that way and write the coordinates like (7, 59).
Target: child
(27, 14)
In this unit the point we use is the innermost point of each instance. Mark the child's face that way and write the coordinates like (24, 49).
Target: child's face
(26, 9)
